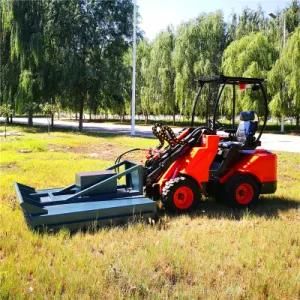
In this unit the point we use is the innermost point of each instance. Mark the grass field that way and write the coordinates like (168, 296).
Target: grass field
(214, 253)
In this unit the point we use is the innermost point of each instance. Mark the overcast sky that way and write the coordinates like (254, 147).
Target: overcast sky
(156, 15)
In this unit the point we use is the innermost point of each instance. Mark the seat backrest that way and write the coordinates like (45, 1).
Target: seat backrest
(247, 127)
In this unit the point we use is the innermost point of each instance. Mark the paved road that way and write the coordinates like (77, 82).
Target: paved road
(277, 142)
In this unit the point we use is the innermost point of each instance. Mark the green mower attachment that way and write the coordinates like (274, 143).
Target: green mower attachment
(94, 199)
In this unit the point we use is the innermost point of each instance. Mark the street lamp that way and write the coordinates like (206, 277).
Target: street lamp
(133, 71)
(273, 16)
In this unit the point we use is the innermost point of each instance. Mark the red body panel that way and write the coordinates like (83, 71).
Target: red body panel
(196, 164)
(261, 164)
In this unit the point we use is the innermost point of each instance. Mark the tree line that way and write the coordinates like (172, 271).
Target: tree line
(76, 56)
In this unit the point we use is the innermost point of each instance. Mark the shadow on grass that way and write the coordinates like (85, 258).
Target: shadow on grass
(28, 129)
(267, 207)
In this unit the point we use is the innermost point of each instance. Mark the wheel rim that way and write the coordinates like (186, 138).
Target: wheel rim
(244, 193)
(183, 197)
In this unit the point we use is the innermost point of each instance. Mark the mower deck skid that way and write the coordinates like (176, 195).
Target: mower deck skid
(95, 198)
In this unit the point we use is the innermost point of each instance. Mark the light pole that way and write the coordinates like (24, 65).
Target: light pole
(133, 71)
(273, 16)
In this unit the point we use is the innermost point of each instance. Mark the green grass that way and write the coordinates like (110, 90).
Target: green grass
(215, 252)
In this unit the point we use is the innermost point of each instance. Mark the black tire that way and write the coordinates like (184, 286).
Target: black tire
(239, 191)
(181, 194)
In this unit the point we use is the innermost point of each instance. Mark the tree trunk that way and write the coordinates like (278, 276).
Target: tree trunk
(297, 121)
(122, 117)
(11, 119)
(30, 121)
(81, 114)
(282, 124)
(52, 121)
(76, 116)
(146, 118)
(174, 115)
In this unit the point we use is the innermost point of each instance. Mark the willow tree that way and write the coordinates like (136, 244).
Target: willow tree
(144, 78)
(250, 56)
(161, 74)
(54, 85)
(186, 54)
(198, 51)
(26, 47)
(291, 56)
(250, 21)
(9, 67)
(292, 16)
(284, 79)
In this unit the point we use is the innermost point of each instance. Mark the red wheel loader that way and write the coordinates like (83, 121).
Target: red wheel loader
(214, 161)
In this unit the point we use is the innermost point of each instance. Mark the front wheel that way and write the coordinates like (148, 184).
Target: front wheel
(240, 191)
(181, 194)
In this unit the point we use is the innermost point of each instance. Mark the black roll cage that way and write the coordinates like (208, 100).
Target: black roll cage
(223, 80)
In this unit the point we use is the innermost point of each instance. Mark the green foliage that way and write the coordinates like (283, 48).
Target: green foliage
(65, 49)
(292, 59)
(284, 79)
(292, 15)
(250, 56)
(5, 110)
(76, 53)
(48, 109)
(199, 45)
(250, 21)
(143, 74)
(159, 74)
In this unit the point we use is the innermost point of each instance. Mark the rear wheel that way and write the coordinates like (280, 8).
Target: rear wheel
(181, 194)
(240, 191)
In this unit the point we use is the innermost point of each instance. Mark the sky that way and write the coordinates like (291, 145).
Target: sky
(156, 15)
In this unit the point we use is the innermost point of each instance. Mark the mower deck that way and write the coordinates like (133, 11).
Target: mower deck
(101, 202)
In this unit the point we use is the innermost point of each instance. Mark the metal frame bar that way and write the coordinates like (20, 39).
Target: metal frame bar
(196, 99)
(98, 184)
(264, 94)
(230, 80)
(28, 196)
(227, 80)
(233, 105)
(58, 191)
(216, 106)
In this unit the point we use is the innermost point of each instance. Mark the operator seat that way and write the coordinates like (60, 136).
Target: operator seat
(244, 139)
(245, 134)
